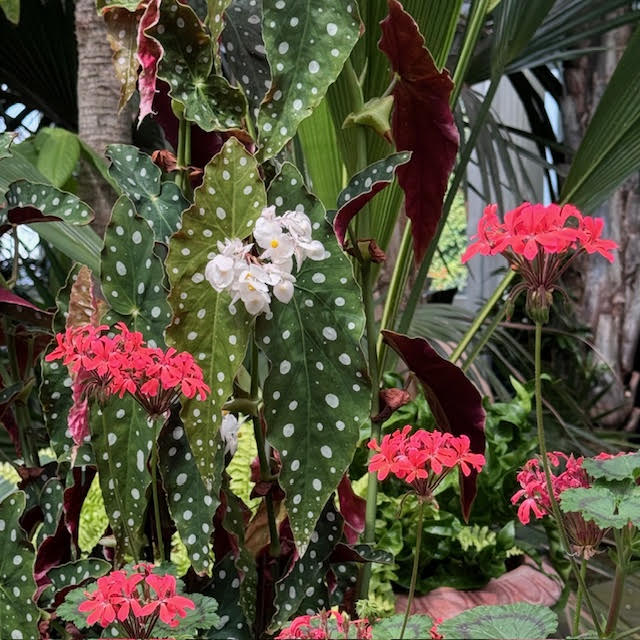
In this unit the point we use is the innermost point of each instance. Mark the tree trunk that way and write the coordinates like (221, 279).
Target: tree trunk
(608, 300)
(99, 123)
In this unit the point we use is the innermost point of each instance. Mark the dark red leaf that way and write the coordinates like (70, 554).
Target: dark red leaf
(10, 304)
(149, 54)
(422, 122)
(352, 509)
(454, 400)
(25, 215)
(73, 499)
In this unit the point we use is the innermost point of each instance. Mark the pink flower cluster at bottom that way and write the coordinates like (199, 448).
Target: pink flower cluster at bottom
(326, 625)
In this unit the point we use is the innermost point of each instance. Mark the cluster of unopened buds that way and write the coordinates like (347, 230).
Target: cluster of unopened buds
(326, 625)
(135, 602)
(122, 363)
(585, 536)
(539, 242)
(252, 278)
(423, 459)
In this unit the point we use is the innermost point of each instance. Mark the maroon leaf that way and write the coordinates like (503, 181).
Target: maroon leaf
(73, 500)
(352, 509)
(149, 54)
(422, 122)
(13, 306)
(455, 402)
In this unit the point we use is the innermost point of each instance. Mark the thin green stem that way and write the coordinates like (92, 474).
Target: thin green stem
(414, 572)
(265, 469)
(627, 633)
(618, 586)
(578, 612)
(484, 338)
(372, 487)
(555, 509)
(155, 495)
(182, 138)
(478, 321)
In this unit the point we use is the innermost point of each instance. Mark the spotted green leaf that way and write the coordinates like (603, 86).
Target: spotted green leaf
(122, 33)
(122, 438)
(306, 577)
(215, 22)
(307, 43)
(242, 39)
(18, 614)
(616, 468)
(226, 205)
(67, 576)
(208, 99)
(49, 201)
(191, 505)
(317, 393)
(520, 620)
(159, 203)
(132, 274)
(51, 498)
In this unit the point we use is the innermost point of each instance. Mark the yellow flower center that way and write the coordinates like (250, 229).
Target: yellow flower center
(274, 244)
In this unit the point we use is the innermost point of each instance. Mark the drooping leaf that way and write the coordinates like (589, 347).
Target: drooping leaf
(53, 203)
(454, 400)
(208, 99)
(422, 123)
(362, 187)
(226, 205)
(307, 44)
(122, 32)
(159, 203)
(617, 468)
(306, 576)
(18, 614)
(316, 395)
(242, 39)
(132, 274)
(418, 626)
(191, 505)
(58, 154)
(520, 620)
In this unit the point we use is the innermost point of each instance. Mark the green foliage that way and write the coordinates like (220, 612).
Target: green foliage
(58, 152)
(239, 467)
(93, 518)
(418, 626)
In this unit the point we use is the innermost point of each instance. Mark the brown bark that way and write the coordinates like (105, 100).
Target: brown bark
(99, 123)
(608, 299)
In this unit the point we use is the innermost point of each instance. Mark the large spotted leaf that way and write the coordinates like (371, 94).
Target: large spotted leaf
(215, 22)
(49, 201)
(159, 203)
(67, 576)
(226, 205)
(122, 438)
(51, 499)
(208, 99)
(18, 614)
(307, 43)
(132, 274)
(245, 54)
(317, 393)
(191, 505)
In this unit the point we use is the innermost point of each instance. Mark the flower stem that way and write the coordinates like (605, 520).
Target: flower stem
(576, 619)
(482, 316)
(372, 487)
(483, 339)
(555, 509)
(156, 500)
(618, 587)
(414, 572)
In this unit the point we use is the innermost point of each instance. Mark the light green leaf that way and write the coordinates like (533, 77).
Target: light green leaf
(80, 244)
(418, 626)
(317, 392)
(11, 9)
(511, 621)
(617, 468)
(608, 154)
(209, 100)
(132, 274)
(18, 614)
(595, 503)
(58, 154)
(93, 519)
(307, 43)
(226, 205)
(6, 140)
(159, 203)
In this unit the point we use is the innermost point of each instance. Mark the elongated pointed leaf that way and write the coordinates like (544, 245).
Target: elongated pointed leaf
(18, 614)
(307, 44)
(215, 22)
(317, 394)
(132, 274)
(58, 154)
(159, 203)
(208, 100)
(149, 54)
(51, 505)
(362, 187)
(422, 123)
(226, 205)
(454, 400)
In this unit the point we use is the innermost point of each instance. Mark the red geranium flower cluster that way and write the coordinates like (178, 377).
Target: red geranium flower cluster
(424, 458)
(536, 240)
(135, 602)
(124, 364)
(326, 625)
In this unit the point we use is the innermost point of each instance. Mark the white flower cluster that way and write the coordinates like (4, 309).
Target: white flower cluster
(252, 279)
